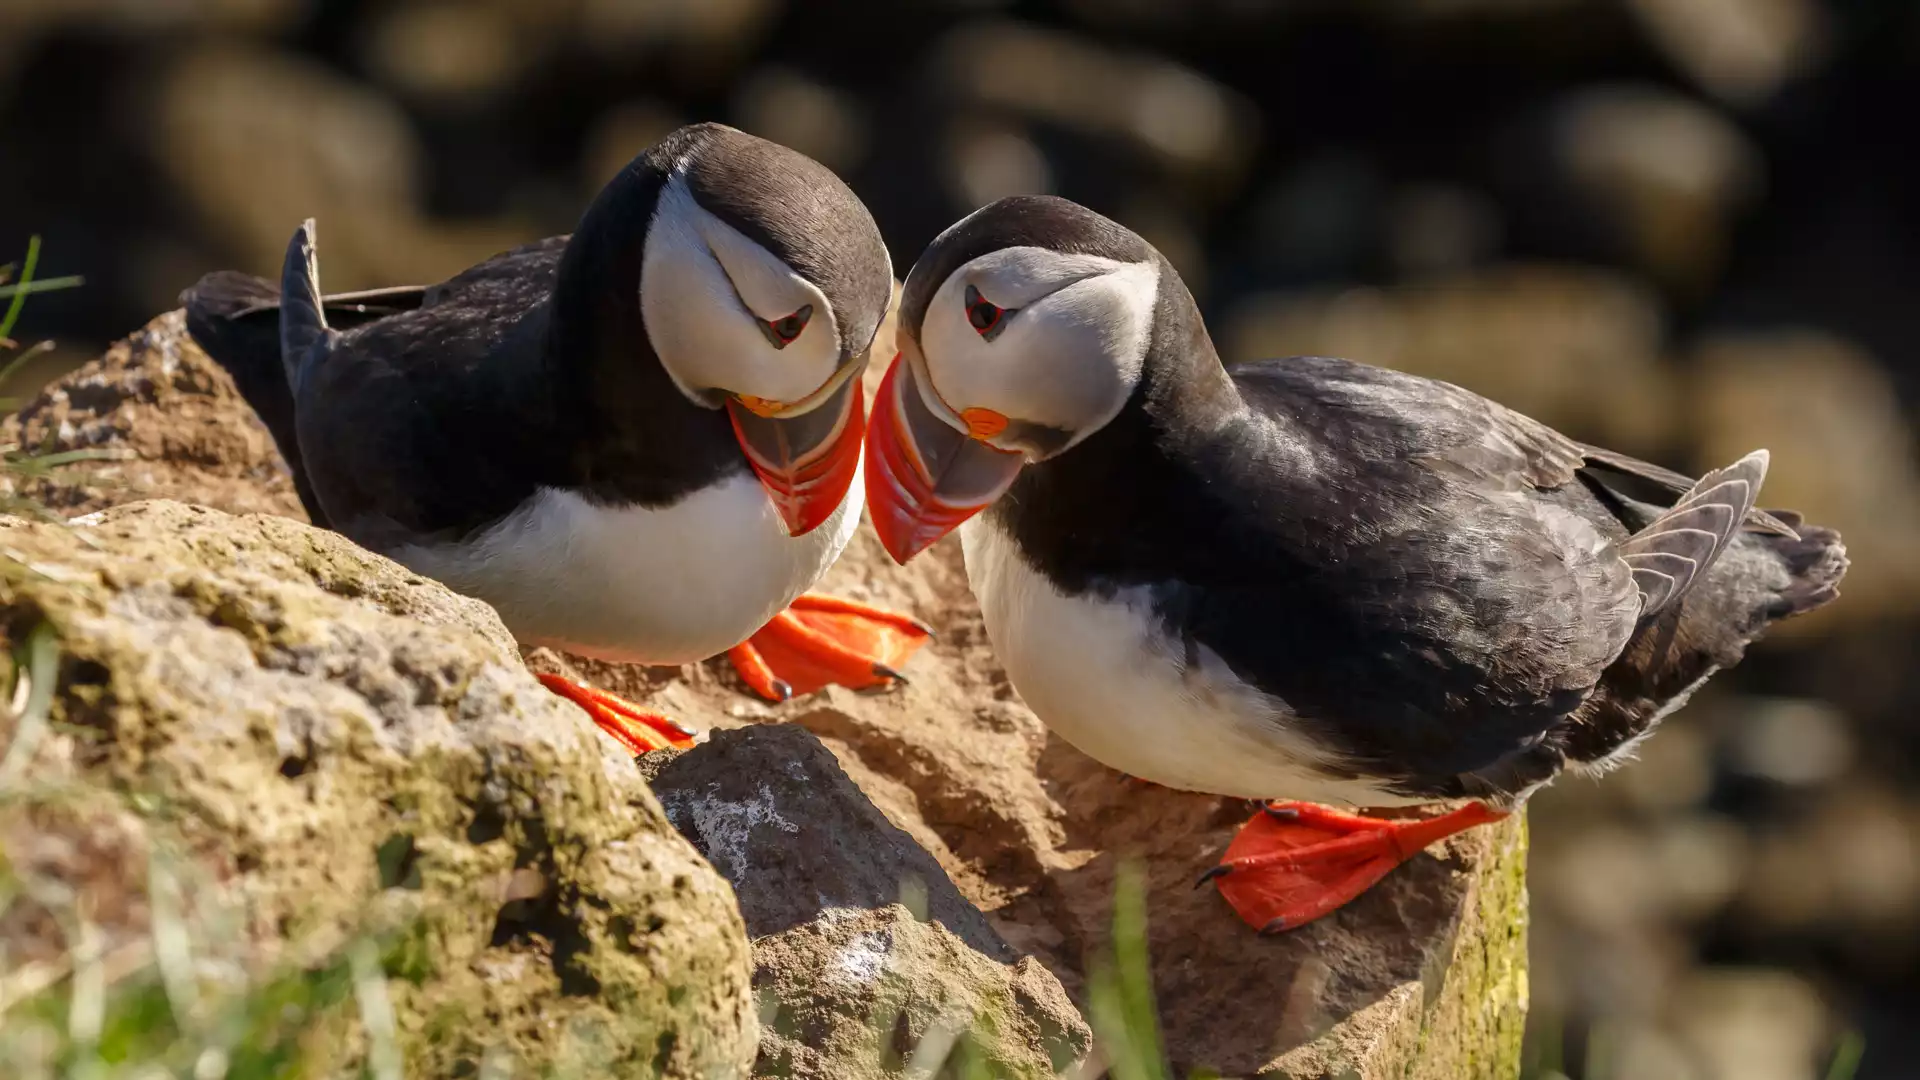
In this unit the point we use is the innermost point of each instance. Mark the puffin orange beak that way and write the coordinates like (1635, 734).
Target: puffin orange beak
(924, 476)
(804, 460)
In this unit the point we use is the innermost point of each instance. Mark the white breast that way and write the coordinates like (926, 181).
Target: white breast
(651, 586)
(1103, 674)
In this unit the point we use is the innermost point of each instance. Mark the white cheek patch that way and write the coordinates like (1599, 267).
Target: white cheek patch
(696, 275)
(1071, 349)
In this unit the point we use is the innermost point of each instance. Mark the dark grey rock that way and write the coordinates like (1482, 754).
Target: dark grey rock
(777, 816)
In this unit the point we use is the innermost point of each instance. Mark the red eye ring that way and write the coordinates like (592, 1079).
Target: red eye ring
(982, 315)
(785, 329)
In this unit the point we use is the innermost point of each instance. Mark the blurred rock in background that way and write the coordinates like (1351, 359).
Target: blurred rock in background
(1685, 228)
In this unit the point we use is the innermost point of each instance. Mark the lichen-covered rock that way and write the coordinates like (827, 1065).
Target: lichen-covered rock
(819, 870)
(854, 995)
(773, 811)
(352, 749)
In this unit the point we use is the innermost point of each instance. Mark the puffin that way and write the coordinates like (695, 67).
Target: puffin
(1332, 588)
(639, 442)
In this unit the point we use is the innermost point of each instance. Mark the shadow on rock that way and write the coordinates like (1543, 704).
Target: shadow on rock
(850, 977)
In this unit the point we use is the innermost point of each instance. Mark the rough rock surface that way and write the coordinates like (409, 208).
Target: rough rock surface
(853, 994)
(170, 419)
(348, 747)
(821, 875)
(773, 811)
(1424, 975)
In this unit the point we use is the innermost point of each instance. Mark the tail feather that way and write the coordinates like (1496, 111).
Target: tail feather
(1815, 561)
(303, 318)
(1790, 518)
(1761, 578)
(1674, 552)
(231, 316)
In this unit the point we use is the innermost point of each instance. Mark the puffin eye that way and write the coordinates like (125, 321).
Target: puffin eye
(983, 316)
(783, 330)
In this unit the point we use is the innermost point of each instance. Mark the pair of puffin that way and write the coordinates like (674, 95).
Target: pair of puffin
(1303, 577)
(640, 442)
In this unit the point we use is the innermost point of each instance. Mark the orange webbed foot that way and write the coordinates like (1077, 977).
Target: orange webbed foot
(1295, 862)
(639, 730)
(823, 639)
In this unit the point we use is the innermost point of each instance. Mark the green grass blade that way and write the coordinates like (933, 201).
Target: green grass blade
(41, 668)
(933, 1049)
(44, 462)
(172, 944)
(1846, 1059)
(1126, 1025)
(20, 289)
(25, 355)
(87, 1010)
(44, 285)
(1134, 968)
(376, 1011)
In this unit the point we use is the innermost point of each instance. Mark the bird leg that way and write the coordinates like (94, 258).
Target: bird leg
(824, 639)
(639, 730)
(1295, 862)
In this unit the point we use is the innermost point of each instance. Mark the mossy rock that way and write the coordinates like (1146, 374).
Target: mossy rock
(1466, 1015)
(347, 749)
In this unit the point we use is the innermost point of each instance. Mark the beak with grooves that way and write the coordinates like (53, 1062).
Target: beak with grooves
(805, 454)
(924, 475)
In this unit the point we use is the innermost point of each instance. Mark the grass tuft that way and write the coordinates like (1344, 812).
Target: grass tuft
(1120, 1006)
(21, 465)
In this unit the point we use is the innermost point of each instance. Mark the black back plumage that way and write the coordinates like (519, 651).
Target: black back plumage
(421, 422)
(429, 413)
(1450, 597)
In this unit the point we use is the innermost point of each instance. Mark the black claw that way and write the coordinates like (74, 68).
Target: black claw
(1213, 873)
(886, 672)
(1274, 926)
(682, 728)
(923, 628)
(783, 691)
(1281, 813)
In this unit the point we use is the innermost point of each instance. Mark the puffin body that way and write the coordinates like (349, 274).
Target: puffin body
(1305, 577)
(638, 584)
(639, 442)
(1110, 675)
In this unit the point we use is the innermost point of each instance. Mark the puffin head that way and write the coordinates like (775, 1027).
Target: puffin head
(762, 284)
(1024, 328)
